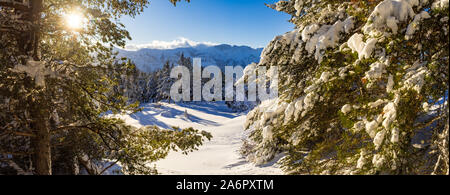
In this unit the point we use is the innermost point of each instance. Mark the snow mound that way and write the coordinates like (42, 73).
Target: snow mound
(220, 156)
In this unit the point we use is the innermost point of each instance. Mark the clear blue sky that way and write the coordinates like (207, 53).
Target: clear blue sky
(236, 22)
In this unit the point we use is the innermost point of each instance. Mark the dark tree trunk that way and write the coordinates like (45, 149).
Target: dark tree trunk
(41, 141)
(29, 45)
(40, 125)
(36, 12)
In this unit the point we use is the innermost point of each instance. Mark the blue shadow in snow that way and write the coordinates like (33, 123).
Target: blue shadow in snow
(213, 108)
(149, 112)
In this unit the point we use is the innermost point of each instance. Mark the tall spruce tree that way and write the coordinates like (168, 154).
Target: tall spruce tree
(164, 82)
(56, 86)
(187, 62)
(363, 89)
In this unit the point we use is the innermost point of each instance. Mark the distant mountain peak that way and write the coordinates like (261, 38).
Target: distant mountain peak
(153, 56)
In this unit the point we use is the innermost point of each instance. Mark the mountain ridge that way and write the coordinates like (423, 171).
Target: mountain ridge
(151, 59)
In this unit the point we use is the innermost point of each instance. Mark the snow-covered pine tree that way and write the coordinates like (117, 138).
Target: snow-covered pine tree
(135, 85)
(164, 82)
(55, 88)
(363, 89)
(152, 85)
(187, 62)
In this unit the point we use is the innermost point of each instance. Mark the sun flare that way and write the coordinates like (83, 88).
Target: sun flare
(74, 20)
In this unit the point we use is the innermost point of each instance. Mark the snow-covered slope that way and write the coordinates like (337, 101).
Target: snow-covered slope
(149, 59)
(216, 157)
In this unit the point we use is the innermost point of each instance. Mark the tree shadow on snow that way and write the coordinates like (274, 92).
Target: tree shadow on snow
(213, 108)
(149, 113)
(244, 161)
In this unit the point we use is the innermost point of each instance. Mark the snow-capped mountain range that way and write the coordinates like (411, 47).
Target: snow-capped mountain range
(150, 58)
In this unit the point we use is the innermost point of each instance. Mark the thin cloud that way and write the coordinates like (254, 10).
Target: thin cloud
(177, 43)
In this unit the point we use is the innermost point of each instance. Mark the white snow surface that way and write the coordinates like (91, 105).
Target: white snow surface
(389, 11)
(364, 49)
(35, 70)
(413, 26)
(220, 156)
(327, 36)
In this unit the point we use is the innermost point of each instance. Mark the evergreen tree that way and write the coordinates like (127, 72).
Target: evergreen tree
(363, 89)
(187, 62)
(56, 86)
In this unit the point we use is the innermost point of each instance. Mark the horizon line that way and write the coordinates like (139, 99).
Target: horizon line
(178, 43)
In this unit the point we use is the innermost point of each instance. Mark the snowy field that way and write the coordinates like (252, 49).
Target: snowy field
(219, 156)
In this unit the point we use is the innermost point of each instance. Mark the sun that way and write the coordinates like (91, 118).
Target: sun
(74, 20)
